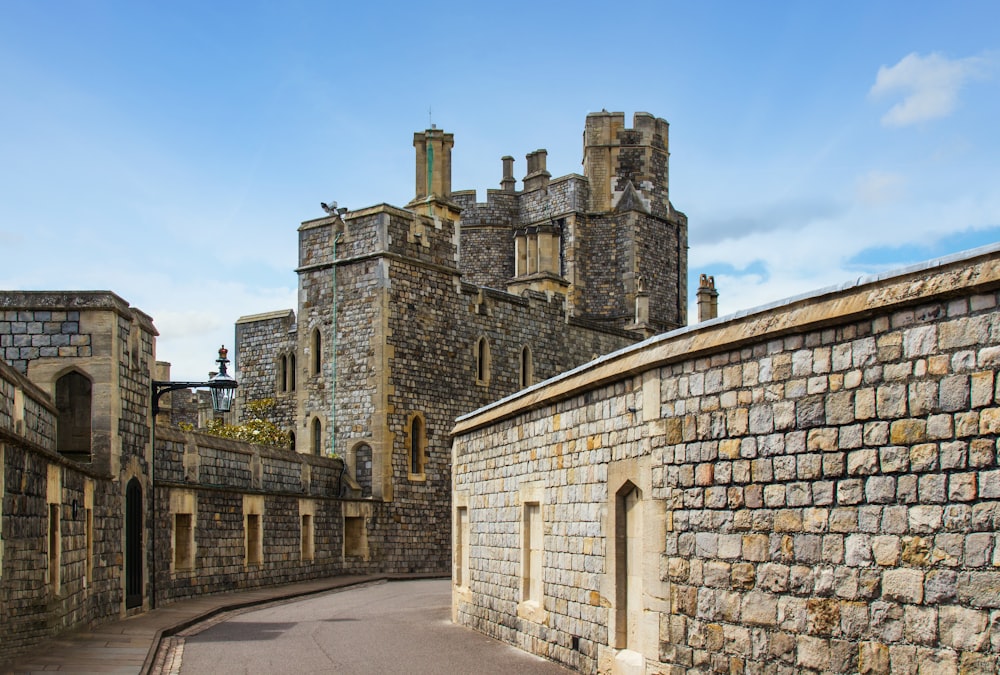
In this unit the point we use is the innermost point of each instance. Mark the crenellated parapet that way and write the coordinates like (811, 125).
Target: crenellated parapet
(630, 163)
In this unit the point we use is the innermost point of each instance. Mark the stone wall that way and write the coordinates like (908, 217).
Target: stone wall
(216, 482)
(44, 591)
(27, 334)
(404, 346)
(812, 487)
(262, 341)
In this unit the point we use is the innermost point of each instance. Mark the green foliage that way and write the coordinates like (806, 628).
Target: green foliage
(255, 430)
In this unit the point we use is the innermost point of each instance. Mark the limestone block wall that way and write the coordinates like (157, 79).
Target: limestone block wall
(45, 590)
(812, 487)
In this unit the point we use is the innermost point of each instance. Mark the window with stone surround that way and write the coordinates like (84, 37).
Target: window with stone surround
(532, 589)
(316, 352)
(527, 372)
(286, 373)
(531, 541)
(482, 361)
(461, 555)
(253, 529)
(306, 550)
(355, 537)
(73, 402)
(88, 523)
(628, 566)
(316, 440)
(416, 445)
(53, 496)
(55, 547)
(183, 541)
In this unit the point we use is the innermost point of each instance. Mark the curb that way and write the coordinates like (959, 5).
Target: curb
(169, 631)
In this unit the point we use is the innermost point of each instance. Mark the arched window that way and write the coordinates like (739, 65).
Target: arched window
(316, 347)
(291, 372)
(291, 441)
(416, 444)
(482, 361)
(317, 437)
(527, 373)
(628, 565)
(73, 402)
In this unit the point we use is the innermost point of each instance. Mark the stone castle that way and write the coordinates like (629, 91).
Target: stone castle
(808, 487)
(410, 317)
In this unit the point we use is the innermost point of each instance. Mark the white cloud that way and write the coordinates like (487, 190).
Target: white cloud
(762, 267)
(191, 335)
(929, 86)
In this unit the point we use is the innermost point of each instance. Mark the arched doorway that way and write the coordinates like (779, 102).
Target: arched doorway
(133, 544)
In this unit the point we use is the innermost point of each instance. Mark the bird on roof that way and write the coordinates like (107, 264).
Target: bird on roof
(330, 208)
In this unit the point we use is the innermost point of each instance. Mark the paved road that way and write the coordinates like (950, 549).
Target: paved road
(395, 627)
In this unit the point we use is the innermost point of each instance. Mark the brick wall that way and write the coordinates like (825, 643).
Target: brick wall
(818, 490)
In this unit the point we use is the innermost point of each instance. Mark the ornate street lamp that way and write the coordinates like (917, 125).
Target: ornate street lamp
(223, 386)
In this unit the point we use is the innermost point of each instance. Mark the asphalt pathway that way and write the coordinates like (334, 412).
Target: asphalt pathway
(382, 627)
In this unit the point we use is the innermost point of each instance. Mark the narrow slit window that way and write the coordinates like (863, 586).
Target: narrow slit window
(316, 350)
(482, 361)
(55, 546)
(531, 587)
(417, 444)
(317, 437)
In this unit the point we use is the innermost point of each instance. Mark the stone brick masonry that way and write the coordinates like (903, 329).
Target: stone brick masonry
(819, 480)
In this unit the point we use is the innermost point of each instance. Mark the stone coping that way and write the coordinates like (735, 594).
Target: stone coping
(265, 316)
(925, 282)
(74, 301)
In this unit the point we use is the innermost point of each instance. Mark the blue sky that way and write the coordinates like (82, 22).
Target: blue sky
(169, 151)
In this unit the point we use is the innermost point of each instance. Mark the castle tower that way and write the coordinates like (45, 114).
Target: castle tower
(615, 157)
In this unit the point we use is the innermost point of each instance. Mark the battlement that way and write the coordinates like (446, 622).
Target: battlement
(615, 156)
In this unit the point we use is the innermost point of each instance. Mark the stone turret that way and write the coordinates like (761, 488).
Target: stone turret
(616, 159)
